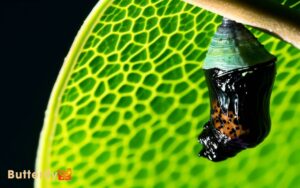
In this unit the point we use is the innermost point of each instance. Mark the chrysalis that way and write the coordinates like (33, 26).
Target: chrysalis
(240, 74)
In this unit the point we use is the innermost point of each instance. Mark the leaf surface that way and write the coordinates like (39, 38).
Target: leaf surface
(131, 99)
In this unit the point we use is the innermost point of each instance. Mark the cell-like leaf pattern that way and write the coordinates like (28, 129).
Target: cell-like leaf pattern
(131, 100)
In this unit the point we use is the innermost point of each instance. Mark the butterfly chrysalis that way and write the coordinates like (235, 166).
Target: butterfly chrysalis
(239, 74)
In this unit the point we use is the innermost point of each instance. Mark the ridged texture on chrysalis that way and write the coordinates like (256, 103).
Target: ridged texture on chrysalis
(240, 75)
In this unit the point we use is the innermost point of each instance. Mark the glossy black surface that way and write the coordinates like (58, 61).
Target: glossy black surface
(239, 110)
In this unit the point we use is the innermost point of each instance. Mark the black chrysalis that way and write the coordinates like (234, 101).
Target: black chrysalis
(239, 74)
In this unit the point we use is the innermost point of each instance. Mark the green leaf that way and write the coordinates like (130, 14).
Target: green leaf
(131, 99)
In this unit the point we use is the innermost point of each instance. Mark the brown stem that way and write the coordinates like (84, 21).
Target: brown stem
(264, 14)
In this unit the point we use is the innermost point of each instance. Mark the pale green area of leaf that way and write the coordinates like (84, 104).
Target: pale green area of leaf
(131, 100)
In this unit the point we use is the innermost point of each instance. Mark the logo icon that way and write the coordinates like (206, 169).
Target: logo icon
(64, 174)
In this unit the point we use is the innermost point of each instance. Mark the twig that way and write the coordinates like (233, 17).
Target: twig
(264, 14)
